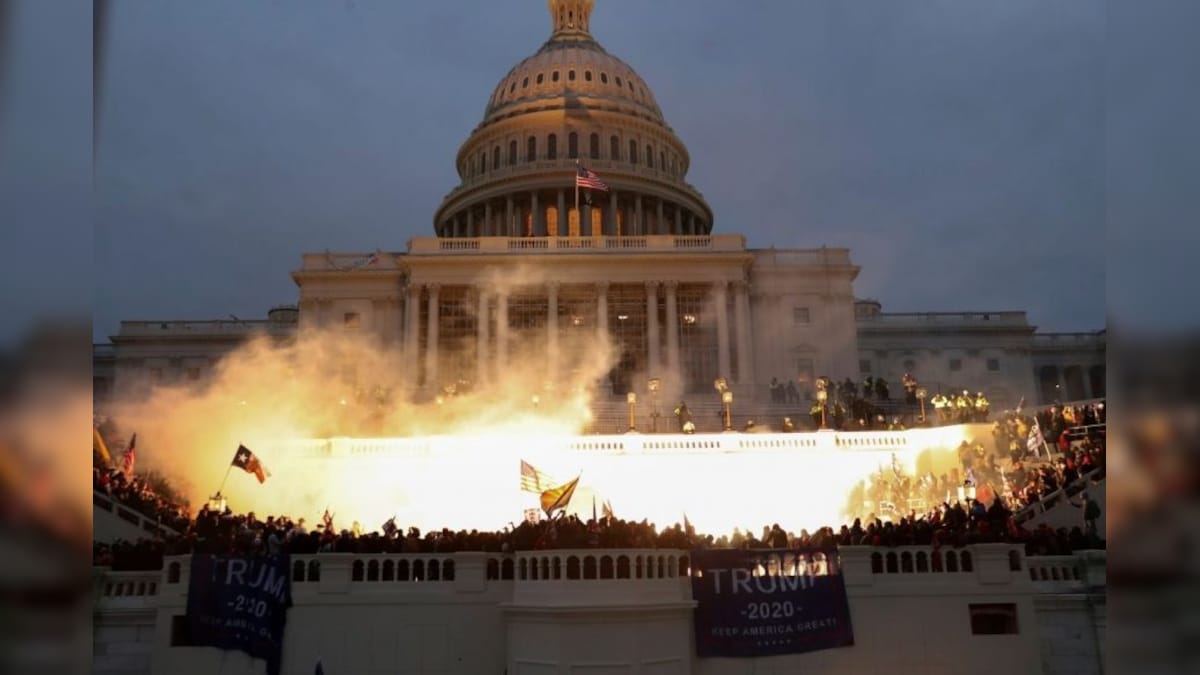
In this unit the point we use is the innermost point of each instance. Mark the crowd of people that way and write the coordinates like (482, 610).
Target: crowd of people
(137, 492)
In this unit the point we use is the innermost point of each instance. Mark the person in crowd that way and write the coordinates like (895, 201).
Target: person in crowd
(981, 405)
(881, 389)
(910, 389)
(940, 406)
(793, 394)
(684, 417)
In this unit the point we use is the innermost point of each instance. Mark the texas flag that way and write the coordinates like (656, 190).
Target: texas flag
(245, 460)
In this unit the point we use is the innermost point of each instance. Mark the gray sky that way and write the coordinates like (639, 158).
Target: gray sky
(957, 148)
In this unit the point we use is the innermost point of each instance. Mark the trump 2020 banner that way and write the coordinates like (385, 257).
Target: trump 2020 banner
(240, 603)
(766, 602)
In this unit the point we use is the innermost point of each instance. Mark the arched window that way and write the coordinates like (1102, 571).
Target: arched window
(506, 569)
(512, 153)
(389, 571)
(495, 158)
(540, 78)
(402, 573)
(614, 148)
(587, 75)
(524, 83)
(554, 76)
(418, 570)
(633, 152)
(373, 570)
(483, 162)
(594, 146)
(604, 78)
(922, 562)
(876, 563)
(571, 75)
(891, 563)
(618, 80)
(435, 571)
(314, 570)
(906, 562)
(572, 145)
(552, 147)
(606, 567)
(951, 561)
(492, 572)
(356, 571)
(589, 567)
(513, 87)
(649, 156)
(531, 149)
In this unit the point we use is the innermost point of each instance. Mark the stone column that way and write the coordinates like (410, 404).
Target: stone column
(741, 317)
(640, 226)
(552, 326)
(672, 329)
(481, 337)
(602, 310)
(612, 213)
(539, 229)
(507, 230)
(560, 226)
(677, 221)
(719, 297)
(691, 224)
(431, 340)
(652, 350)
(585, 220)
(412, 306)
(501, 329)
(660, 227)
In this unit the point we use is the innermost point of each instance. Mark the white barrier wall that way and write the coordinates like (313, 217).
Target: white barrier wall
(612, 611)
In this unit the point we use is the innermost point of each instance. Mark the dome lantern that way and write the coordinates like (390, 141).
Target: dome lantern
(570, 18)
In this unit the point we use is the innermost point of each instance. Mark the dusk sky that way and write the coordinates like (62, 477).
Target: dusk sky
(957, 148)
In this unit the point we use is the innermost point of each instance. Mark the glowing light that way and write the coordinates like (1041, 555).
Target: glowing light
(689, 318)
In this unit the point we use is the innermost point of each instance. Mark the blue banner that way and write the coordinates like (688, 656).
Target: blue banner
(240, 603)
(766, 602)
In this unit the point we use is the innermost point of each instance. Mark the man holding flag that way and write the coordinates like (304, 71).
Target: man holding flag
(1036, 441)
(558, 498)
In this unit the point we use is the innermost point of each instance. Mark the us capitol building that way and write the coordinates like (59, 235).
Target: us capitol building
(520, 266)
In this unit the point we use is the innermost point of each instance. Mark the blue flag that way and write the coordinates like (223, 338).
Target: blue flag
(240, 603)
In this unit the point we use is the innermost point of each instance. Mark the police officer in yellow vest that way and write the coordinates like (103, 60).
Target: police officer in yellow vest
(981, 407)
(940, 404)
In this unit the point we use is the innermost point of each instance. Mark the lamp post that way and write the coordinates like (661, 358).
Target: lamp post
(631, 399)
(922, 392)
(654, 385)
(727, 399)
(822, 397)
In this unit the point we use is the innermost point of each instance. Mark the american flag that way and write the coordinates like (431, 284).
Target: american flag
(533, 480)
(586, 178)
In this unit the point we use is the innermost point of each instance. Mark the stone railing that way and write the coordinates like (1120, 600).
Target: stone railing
(204, 328)
(654, 243)
(1006, 319)
(1068, 573)
(123, 590)
(1060, 496)
(103, 502)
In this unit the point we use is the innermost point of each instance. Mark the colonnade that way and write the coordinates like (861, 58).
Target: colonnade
(496, 349)
(527, 214)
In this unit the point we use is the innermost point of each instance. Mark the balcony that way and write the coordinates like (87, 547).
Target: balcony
(725, 243)
(217, 327)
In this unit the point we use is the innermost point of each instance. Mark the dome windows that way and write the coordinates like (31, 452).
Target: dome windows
(512, 153)
(571, 75)
(554, 76)
(662, 160)
(594, 146)
(525, 83)
(540, 77)
(552, 147)
(603, 78)
(649, 156)
(495, 158)
(531, 149)
(572, 145)
(614, 148)
(587, 75)
(618, 80)
(483, 162)
(633, 152)
(512, 87)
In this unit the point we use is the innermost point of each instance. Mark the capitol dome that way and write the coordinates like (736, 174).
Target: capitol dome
(572, 103)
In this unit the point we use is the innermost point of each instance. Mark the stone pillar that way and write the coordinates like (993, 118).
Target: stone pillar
(652, 351)
(672, 329)
(640, 228)
(560, 225)
(508, 217)
(660, 227)
(412, 306)
(612, 213)
(602, 310)
(719, 297)
(691, 224)
(552, 326)
(585, 220)
(486, 230)
(741, 317)
(539, 230)
(481, 337)
(431, 340)
(677, 217)
(501, 329)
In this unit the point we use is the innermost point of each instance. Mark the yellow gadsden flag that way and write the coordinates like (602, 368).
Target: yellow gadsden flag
(99, 446)
(558, 497)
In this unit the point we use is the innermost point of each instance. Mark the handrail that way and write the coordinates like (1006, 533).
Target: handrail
(1051, 500)
(130, 515)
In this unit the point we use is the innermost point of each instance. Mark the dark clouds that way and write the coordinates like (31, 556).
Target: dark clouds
(958, 148)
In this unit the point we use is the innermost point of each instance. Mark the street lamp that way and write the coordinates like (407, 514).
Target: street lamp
(922, 392)
(727, 399)
(654, 385)
(822, 397)
(631, 399)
